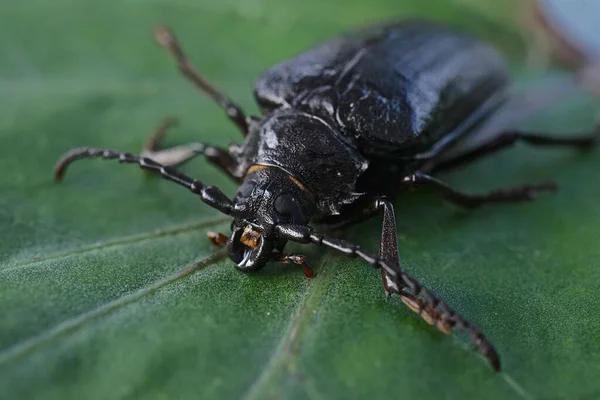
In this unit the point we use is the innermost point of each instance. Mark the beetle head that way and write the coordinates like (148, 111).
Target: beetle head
(268, 196)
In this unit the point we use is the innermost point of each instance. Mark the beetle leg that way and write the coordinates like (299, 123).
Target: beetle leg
(166, 39)
(388, 246)
(388, 250)
(219, 240)
(296, 259)
(346, 219)
(153, 142)
(468, 200)
(216, 238)
(210, 195)
(412, 292)
(508, 139)
(179, 154)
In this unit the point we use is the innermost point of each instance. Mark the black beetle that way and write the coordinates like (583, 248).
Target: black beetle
(358, 118)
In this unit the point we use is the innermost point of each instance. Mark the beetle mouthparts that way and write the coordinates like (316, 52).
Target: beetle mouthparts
(250, 237)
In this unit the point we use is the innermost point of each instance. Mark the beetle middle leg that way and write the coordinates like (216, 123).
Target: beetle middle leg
(509, 195)
(179, 154)
(166, 39)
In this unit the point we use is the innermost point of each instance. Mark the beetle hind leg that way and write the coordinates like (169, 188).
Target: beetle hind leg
(507, 139)
(513, 194)
(179, 154)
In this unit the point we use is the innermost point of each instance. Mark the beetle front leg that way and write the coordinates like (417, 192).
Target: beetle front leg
(297, 259)
(509, 195)
(388, 250)
(179, 154)
(412, 292)
(216, 238)
(166, 39)
(388, 246)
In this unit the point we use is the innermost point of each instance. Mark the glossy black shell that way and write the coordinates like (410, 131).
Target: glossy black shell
(395, 89)
(371, 104)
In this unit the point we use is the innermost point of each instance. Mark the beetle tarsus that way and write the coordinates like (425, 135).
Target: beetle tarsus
(431, 316)
(167, 39)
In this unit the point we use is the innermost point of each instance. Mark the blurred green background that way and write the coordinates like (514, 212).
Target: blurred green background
(94, 301)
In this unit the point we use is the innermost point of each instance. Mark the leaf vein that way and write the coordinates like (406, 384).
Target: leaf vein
(517, 387)
(27, 346)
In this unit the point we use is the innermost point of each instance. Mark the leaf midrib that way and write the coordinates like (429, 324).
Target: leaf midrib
(285, 352)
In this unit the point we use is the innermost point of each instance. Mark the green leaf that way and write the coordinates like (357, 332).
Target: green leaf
(100, 293)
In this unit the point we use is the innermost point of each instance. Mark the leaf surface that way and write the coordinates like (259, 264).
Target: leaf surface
(109, 288)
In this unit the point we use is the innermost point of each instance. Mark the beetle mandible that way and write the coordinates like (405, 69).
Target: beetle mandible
(363, 116)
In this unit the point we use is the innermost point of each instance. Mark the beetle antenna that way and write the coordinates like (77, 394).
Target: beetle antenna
(420, 299)
(209, 194)
(167, 39)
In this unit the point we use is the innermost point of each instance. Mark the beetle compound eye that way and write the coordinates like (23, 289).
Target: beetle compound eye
(289, 208)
